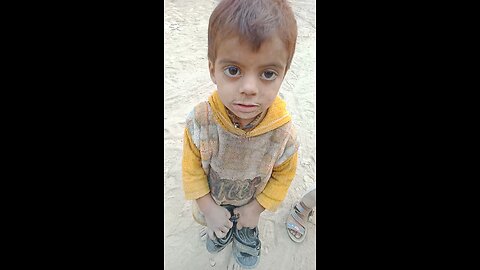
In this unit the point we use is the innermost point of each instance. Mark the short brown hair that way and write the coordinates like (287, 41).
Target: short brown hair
(254, 21)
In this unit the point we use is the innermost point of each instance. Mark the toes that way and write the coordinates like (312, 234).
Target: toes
(295, 233)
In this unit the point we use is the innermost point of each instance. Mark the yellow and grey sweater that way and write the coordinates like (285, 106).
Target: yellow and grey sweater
(234, 165)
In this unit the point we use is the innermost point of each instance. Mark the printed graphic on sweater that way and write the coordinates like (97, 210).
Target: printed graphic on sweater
(236, 190)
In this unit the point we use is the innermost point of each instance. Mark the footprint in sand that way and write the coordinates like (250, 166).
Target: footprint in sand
(268, 233)
(233, 265)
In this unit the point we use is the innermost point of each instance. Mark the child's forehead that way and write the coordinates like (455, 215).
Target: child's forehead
(238, 48)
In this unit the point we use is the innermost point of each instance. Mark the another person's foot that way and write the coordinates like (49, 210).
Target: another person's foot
(297, 222)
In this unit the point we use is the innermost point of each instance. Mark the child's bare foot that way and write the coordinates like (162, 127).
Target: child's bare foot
(297, 220)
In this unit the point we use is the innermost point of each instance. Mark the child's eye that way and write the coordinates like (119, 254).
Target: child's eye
(232, 71)
(269, 75)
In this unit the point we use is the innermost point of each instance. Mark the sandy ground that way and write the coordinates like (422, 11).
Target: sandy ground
(187, 82)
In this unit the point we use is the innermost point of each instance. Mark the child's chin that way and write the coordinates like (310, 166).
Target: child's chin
(247, 116)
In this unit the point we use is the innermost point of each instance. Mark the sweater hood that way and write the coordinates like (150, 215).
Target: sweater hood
(277, 116)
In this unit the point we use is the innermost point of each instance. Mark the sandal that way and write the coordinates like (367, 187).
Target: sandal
(246, 247)
(300, 217)
(218, 244)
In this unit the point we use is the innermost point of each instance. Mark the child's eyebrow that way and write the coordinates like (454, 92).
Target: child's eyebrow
(277, 65)
(274, 64)
(227, 61)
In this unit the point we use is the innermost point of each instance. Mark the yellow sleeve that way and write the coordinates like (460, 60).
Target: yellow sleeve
(195, 183)
(278, 184)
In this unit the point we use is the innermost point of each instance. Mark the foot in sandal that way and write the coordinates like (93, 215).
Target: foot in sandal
(297, 222)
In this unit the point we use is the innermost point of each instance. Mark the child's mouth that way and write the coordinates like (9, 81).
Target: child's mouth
(245, 107)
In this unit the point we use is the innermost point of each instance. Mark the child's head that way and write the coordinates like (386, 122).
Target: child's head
(250, 48)
(253, 21)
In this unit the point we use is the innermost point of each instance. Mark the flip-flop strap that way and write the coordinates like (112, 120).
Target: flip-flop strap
(298, 219)
(296, 228)
(299, 206)
(301, 209)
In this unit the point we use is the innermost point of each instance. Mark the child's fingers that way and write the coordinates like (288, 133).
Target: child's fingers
(220, 234)
(227, 213)
(239, 226)
(224, 229)
(210, 234)
(229, 224)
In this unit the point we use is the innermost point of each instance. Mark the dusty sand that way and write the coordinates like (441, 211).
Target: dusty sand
(187, 82)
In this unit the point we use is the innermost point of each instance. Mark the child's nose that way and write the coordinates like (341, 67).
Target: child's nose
(249, 85)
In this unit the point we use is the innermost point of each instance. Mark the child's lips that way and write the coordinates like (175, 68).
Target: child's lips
(246, 107)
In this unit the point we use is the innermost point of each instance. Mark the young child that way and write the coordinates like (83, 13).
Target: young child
(240, 147)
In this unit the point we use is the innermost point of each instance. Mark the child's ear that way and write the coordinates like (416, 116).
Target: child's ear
(211, 68)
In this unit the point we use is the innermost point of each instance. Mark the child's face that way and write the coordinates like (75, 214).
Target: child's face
(248, 81)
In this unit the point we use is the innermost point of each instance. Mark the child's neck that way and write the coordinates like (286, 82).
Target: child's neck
(245, 124)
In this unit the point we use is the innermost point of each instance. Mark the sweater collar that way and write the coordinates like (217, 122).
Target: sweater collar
(275, 116)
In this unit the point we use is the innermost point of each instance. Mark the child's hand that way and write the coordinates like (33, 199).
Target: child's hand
(248, 214)
(216, 216)
(218, 221)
